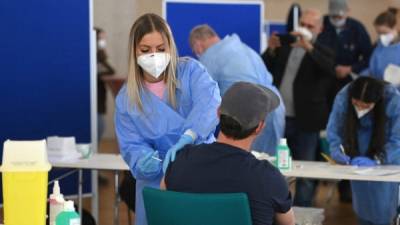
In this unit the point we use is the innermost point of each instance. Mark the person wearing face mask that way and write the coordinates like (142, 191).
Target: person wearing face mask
(167, 102)
(352, 44)
(350, 40)
(387, 50)
(303, 72)
(228, 61)
(103, 69)
(364, 130)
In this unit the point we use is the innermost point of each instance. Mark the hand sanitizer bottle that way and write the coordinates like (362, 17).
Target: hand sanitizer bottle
(56, 203)
(68, 216)
(283, 157)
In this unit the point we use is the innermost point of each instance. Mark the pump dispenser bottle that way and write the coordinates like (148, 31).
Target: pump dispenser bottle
(56, 203)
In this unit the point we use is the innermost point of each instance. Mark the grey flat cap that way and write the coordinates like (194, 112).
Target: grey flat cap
(248, 103)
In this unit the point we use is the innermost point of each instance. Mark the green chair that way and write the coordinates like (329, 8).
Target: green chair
(176, 208)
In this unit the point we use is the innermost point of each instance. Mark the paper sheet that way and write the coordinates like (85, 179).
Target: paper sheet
(374, 171)
(392, 74)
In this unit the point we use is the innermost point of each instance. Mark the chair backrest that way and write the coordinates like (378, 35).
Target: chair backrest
(177, 208)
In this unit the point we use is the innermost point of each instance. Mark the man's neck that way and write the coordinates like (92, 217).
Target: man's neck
(243, 144)
(212, 41)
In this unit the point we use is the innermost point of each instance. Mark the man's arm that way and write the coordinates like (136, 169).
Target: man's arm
(269, 56)
(285, 218)
(324, 57)
(365, 50)
(163, 186)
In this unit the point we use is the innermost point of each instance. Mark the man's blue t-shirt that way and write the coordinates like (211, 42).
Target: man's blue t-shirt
(222, 168)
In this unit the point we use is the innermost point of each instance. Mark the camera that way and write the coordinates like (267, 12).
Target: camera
(287, 39)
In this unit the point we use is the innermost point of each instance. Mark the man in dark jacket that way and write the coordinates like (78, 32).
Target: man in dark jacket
(350, 41)
(304, 73)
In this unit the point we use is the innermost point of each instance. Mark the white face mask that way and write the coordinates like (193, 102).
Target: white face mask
(386, 39)
(154, 63)
(362, 112)
(306, 33)
(338, 23)
(102, 44)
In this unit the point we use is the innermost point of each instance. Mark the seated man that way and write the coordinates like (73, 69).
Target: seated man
(227, 166)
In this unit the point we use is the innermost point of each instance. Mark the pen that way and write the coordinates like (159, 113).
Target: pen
(327, 158)
(344, 153)
(342, 149)
(158, 159)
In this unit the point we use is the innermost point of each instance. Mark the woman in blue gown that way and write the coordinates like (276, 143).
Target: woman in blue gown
(167, 102)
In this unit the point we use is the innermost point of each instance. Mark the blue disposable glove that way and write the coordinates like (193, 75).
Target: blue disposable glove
(170, 156)
(363, 161)
(148, 166)
(340, 158)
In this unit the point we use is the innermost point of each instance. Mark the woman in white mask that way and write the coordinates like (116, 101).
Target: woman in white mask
(167, 102)
(364, 130)
(387, 51)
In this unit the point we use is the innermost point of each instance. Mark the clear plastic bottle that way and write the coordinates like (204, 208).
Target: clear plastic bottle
(283, 156)
(56, 203)
(68, 216)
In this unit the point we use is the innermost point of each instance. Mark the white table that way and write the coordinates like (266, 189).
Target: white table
(303, 169)
(112, 162)
(323, 170)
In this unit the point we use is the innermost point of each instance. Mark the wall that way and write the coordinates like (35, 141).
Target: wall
(116, 18)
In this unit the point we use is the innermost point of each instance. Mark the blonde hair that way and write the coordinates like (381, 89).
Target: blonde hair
(146, 24)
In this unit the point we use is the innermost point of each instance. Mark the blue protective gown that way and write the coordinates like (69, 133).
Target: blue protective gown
(230, 61)
(382, 57)
(160, 126)
(372, 201)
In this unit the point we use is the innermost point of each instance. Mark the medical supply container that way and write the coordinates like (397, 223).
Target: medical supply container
(25, 175)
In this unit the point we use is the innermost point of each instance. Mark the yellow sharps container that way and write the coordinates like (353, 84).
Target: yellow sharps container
(25, 175)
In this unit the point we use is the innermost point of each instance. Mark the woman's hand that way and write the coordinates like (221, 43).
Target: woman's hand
(170, 156)
(363, 161)
(148, 166)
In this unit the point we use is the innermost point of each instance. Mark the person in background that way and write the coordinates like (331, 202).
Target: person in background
(303, 72)
(228, 61)
(167, 102)
(387, 51)
(364, 130)
(352, 44)
(227, 166)
(350, 41)
(103, 69)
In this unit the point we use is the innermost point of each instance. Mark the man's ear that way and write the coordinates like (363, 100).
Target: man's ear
(260, 127)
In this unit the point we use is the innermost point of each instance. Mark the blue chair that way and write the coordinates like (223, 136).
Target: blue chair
(177, 208)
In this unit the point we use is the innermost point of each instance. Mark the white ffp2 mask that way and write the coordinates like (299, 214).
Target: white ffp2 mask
(337, 23)
(102, 44)
(362, 112)
(386, 39)
(154, 63)
(306, 33)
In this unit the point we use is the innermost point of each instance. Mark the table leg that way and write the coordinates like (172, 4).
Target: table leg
(80, 191)
(117, 198)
